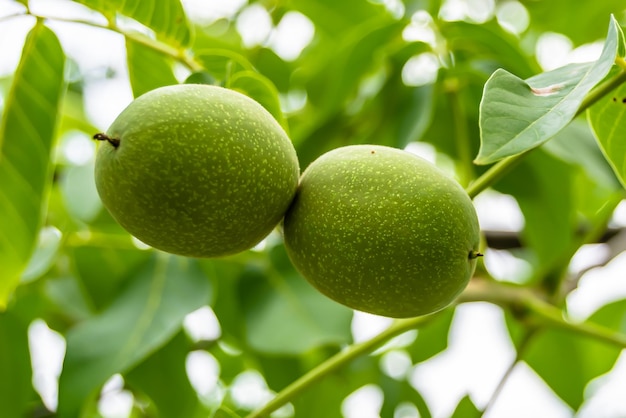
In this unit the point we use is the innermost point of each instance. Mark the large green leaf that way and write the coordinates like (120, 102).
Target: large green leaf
(147, 69)
(567, 361)
(284, 314)
(518, 115)
(27, 132)
(143, 318)
(163, 378)
(166, 17)
(16, 391)
(608, 121)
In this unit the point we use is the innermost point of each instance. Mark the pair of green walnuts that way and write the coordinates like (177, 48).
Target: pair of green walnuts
(203, 171)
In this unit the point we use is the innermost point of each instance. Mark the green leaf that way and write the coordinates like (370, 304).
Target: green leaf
(262, 90)
(608, 120)
(27, 132)
(432, 338)
(48, 244)
(325, 398)
(78, 188)
(335, 17)
(567, 361)
(284, 314)
(518, 115)
(224, 412)
(103, 270)
(163, 378)
(489, 43)
(466, 409)
(166, 17)
(340, 74)
(16, 391)
(400, 391)
(612, 315)
(576, 144)
(542, 186)
(222, 63)
(147, 69)
(558, 15)
(143, 318)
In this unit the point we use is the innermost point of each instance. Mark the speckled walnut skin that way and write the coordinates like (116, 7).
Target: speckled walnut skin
(199, 171)
(382, 231)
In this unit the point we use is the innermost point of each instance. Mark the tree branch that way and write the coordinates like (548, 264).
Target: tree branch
(181, 55)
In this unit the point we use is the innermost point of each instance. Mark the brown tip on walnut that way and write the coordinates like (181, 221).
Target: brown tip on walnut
(103, 137)
(475, 254)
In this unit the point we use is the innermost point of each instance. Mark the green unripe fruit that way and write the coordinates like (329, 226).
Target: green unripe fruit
(382, 231)
(196, 170)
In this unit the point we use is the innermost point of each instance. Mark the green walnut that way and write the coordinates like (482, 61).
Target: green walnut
(196, 170)
(382, 231)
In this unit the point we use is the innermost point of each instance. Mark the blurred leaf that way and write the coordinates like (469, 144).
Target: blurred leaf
(466, 409)
(200, 77)
(575, 144)
(262, 90)
(78, 188)
(222, 63)
(147, 69)
(543, 188)
(27, 132)
(351, 59)
(567, 362)
(335, 17)
(595, 187)
(166, 17)
(273, 67)
(66, 295)
(48, 244)
(163, 377)
(400, 391)
(284, 314)
(432, 338)
(225, 274)
(488, 41)
(612, 315)
(225, 412)
(608, 120)
(326, 397)
(416, 114)
(103, 270)
(16, 391)
(518, 115)
(558, 15)
(280, 371)
(143, 318)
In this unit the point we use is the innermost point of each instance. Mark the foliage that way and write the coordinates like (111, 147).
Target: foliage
(121, 307)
